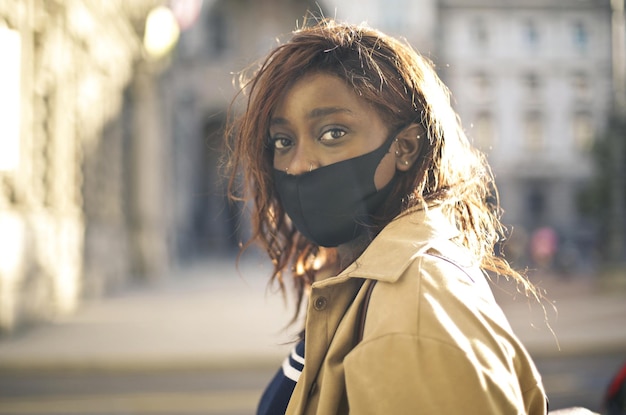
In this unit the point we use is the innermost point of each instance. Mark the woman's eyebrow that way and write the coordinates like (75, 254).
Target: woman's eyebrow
(314, 113)
(278, 121)
(323, 111)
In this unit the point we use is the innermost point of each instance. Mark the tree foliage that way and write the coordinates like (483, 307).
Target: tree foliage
(599, 197)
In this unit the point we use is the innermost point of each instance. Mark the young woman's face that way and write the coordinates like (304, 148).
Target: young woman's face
(321, 121)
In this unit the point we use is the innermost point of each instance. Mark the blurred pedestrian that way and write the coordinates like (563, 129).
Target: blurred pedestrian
(374, 207)
(543, 247)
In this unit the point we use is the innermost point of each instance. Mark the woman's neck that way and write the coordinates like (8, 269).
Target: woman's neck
(347, 253)
(344, 255)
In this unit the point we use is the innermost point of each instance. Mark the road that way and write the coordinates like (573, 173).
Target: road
(209, 392)
(569, 380)
(579, 381)
(141, 351)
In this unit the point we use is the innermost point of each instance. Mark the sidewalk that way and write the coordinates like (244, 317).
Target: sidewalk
(207, 315)
(210, 316)
(579, 315)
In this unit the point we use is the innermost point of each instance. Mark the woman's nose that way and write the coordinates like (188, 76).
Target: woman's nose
(302, 162)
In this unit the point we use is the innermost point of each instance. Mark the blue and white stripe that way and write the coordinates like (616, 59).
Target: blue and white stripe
(294, 363)
(276, 397)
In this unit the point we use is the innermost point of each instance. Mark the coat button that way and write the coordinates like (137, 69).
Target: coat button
(320, 303)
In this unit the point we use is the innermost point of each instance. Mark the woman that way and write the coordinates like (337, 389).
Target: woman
(367, 193)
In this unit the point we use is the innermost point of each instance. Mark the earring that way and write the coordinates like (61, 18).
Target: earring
(397, 153)
(311, 167)
(406, 162)
(419, 136)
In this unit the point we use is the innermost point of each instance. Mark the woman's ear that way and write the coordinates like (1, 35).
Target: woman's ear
(407, 146)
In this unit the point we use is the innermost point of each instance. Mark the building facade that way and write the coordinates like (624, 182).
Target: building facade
(68, 227)
(532, 83)
(227, 37)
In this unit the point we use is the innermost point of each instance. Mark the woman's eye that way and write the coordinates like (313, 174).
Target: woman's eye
(281, 143)
(332, 134)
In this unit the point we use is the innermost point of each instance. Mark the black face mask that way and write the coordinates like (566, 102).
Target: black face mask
(333, 204)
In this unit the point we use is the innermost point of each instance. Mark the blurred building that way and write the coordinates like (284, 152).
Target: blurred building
(416, 21)
(532, 83)
(72, 222)
(110, 148)
(225, 38)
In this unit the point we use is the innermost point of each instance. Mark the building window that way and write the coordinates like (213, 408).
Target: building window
(533, 131)
(479, 33)
(582, 129)
(580, 36)
(217, 25)
(531, 81)
(580, 86)
(482, 86)
(531, 34)
(484, 131)
(531, 86)
(537, 201)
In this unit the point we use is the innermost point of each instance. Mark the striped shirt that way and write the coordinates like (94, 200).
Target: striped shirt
(277, 394)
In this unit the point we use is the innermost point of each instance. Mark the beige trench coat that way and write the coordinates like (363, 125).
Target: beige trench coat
(434, 339)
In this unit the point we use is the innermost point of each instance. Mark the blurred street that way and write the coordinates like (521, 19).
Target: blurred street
(152, 391)
(207, 340)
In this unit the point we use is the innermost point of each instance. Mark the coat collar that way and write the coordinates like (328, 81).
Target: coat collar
(407, 236)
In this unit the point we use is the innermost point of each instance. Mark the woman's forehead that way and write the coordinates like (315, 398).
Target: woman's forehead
(320, 94)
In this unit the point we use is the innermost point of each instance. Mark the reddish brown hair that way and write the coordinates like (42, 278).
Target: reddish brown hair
(403, 86)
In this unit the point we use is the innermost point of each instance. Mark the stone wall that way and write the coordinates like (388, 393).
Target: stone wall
(63, 204)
